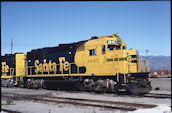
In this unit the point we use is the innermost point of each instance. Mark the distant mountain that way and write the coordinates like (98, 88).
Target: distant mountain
(159, 62)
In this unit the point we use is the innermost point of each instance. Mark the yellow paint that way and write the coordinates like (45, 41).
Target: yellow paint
(20, 64)
(5, 67)
(6, 71)
(51, 67)
(100, 63)
(121, 90)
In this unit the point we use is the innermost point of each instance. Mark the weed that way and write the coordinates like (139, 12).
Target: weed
(49, 111)
(58, 92)
(94, 111)
(9, 101)
(61, 106)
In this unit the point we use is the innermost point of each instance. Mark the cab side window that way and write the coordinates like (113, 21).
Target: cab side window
(103, 49)
(92, 52)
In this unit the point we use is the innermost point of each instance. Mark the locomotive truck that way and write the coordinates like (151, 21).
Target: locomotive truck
(100, 64)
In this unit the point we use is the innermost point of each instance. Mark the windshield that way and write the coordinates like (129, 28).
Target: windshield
(113, 47)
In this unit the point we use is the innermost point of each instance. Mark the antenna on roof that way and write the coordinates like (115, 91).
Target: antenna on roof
(11, 46)
(116, 35)
(94, 37)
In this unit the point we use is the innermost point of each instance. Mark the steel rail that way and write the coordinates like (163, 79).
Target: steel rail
(9, 111)
(108, 102)
(136, 105)
(29, 97)
(154, 95)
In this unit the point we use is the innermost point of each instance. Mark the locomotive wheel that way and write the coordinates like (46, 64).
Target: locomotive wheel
(89, 85)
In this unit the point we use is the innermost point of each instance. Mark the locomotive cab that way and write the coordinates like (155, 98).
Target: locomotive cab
(109, 54)
(128, 59)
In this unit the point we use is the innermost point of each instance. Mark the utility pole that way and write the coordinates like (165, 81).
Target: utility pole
(11, 46)
(147, 53)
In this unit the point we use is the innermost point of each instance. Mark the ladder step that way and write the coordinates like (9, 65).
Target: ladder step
(123, 84)
(134, 81)
(15, 83)
(121, 89)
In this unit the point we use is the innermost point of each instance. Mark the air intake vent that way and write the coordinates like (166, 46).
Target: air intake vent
(94, 37)
(110, 36)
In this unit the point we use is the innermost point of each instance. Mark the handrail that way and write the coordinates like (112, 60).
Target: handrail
(144, 65)
(147, 65)
(118, 69)
(11, 72)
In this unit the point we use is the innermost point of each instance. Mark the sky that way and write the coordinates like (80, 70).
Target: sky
(143, 25)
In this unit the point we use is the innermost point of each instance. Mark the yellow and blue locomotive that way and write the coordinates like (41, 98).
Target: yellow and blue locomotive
(99, 64)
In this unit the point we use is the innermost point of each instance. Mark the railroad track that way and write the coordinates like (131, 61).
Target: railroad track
(10, 111)
(155, 95)
(150, 95)
(124, 106)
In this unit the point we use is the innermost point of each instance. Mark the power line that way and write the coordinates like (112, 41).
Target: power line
(11, 46)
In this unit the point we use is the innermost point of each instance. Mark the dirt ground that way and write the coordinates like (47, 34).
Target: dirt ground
(162, 83)
(24, 106)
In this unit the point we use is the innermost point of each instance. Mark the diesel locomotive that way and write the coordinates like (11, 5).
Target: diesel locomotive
(100, 64)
